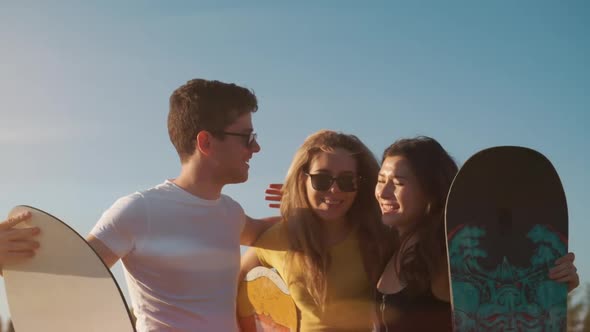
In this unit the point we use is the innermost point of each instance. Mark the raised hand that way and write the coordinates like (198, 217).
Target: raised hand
(274, 194)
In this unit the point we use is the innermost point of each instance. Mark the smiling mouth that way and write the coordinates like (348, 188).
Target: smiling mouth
(332, 202)
(389, 208)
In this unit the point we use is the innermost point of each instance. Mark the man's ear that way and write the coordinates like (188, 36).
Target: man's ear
(203, 143)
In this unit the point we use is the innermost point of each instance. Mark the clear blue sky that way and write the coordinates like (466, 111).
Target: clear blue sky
(84, 89)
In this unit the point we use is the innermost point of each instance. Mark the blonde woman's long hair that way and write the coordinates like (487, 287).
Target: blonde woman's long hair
(305, 232)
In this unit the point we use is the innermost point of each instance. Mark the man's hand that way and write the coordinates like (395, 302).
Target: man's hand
(17, 244)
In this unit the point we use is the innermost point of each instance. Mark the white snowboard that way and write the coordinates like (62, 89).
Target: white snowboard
(65, 287)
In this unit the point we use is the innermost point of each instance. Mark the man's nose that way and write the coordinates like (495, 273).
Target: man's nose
(255, 147)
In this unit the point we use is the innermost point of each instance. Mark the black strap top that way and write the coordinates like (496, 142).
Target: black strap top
(412, 313)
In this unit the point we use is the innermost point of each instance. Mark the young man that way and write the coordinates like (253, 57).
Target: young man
(180, 240)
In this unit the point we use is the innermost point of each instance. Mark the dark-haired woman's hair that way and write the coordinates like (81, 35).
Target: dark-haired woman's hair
(435, 170)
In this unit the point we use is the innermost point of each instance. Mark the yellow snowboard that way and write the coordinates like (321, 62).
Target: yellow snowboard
(265, 304)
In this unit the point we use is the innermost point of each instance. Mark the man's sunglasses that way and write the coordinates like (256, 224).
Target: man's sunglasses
(323, 182)
(249, 138)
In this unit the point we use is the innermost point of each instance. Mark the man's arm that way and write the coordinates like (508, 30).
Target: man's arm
(107, 256)
(248, 261)
(254, 228)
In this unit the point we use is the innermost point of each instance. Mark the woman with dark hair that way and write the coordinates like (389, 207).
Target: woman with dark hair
(413, 293)
(412, 186)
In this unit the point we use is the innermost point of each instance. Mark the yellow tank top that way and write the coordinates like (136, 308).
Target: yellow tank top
(350, 294)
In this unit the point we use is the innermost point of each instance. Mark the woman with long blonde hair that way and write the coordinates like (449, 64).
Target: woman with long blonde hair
(330, 246)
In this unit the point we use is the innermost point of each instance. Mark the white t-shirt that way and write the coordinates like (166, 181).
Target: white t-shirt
(181, 256)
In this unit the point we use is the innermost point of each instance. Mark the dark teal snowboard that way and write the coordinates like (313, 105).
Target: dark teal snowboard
(507, 224)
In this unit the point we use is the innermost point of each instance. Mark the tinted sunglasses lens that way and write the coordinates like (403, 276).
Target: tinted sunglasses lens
(346, 183)
(321, 182)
